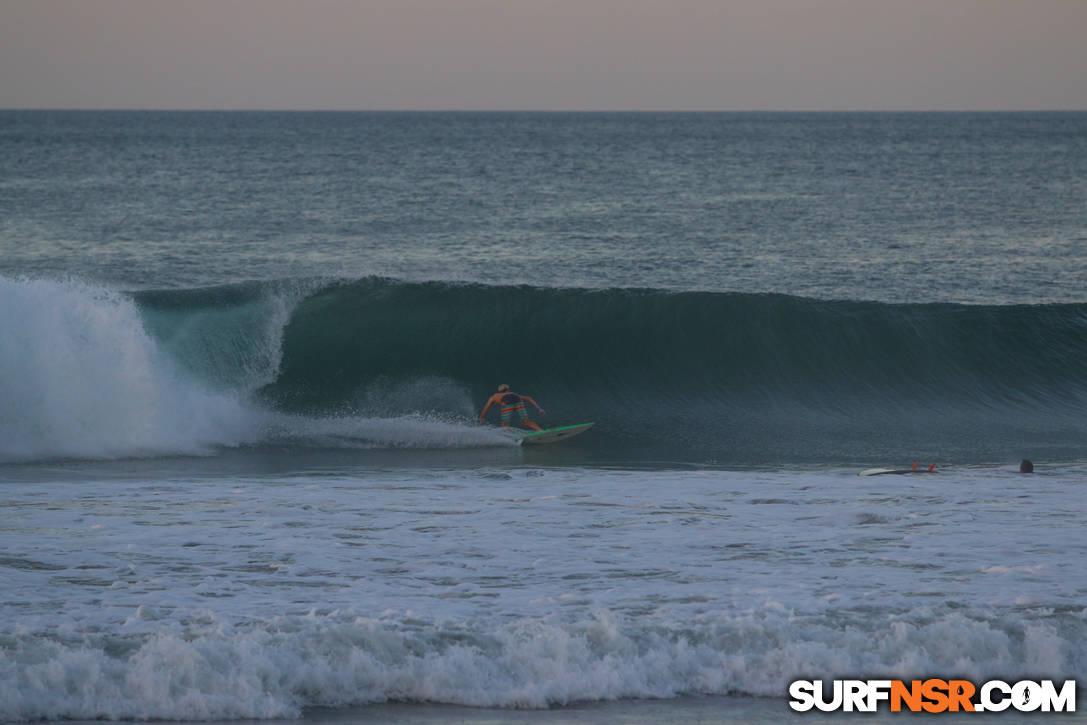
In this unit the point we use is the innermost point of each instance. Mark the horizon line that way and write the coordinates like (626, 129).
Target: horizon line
(134, 109)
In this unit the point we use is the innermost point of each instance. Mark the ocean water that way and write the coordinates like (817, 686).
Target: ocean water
(242, 357)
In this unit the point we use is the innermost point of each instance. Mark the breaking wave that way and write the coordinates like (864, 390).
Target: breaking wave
(93, 372)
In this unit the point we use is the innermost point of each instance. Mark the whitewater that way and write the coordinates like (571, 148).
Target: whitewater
(242, 359)
(76, 354)
(182, 598)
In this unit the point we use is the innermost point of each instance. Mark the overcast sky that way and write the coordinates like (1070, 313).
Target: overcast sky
(544, 54)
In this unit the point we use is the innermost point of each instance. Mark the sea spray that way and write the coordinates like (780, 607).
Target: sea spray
(91, 372)
(81, 377)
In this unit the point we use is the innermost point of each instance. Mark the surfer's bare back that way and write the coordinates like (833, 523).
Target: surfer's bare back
(509, 403)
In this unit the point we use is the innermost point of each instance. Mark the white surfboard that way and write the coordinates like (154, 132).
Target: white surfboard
(896, 471)
(554, 435)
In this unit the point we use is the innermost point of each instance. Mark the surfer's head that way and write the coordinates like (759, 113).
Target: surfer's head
(503, 388)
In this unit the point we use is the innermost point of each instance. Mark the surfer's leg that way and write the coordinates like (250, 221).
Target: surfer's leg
(525, 421)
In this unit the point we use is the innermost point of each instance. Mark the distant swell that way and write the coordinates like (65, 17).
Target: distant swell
(706, 377)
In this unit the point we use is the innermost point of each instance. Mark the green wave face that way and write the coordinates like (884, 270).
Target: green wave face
(709, 375)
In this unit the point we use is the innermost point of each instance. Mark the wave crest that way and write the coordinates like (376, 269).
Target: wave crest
(726, 378)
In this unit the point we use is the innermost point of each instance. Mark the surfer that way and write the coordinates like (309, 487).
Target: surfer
(509, 403)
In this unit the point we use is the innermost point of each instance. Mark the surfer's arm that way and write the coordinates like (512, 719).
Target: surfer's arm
(534, 404)
(486, 408)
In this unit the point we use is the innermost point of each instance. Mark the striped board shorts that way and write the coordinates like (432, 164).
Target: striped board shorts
(508, 411)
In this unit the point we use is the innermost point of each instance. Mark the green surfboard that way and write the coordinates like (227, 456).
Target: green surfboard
(554, 435)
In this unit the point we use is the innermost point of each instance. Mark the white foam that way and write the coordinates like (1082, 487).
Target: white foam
(275, 670)
(188, 598)
(406, 431)
(81, 377)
